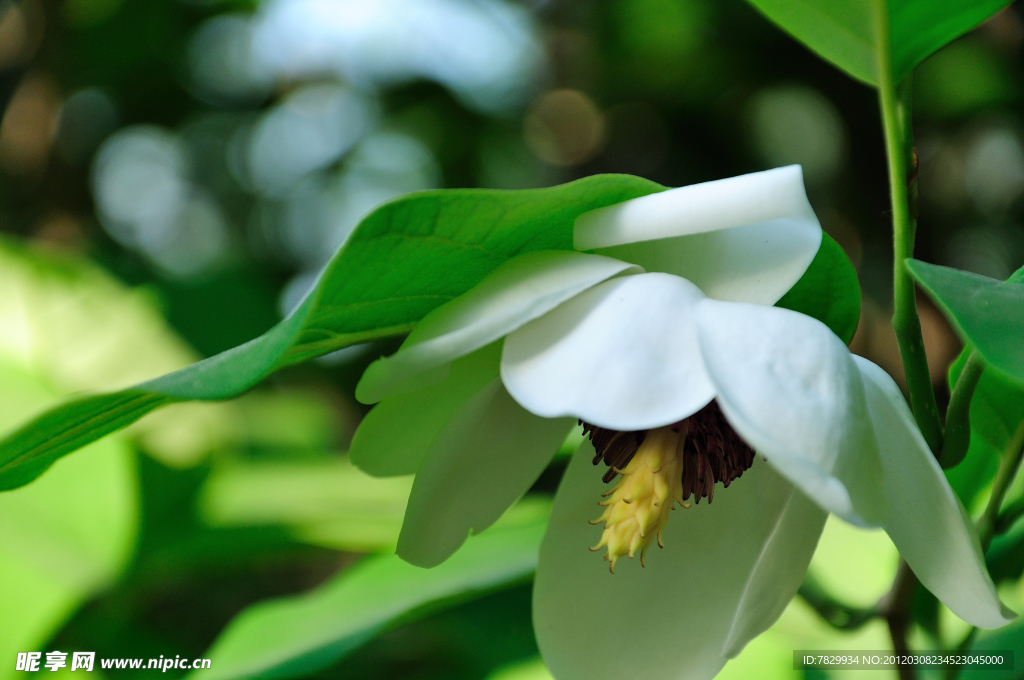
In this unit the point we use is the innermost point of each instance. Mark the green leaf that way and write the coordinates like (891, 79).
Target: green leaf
(298, 635)
(404, 259)
(65, 538)
(828, 291)
(844, 31)
(986, 313)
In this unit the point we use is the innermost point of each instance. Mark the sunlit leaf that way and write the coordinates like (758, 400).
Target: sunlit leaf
(63, 538)
(828, 291)
(297, 635)
(985, 312)
(844, 31)
(404, 259)
(326, 502)
(80, 329)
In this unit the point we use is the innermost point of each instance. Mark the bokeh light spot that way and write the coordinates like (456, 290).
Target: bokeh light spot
(564, 127)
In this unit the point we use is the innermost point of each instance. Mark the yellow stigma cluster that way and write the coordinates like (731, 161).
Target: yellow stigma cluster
(637, 508)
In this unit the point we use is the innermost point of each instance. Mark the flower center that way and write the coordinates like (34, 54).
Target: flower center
(659, 468)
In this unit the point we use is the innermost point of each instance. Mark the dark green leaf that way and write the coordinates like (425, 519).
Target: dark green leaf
(843, 31)
(985, 312)
(404, 259)
(298, 635)
(828, 291)
(1008, 638)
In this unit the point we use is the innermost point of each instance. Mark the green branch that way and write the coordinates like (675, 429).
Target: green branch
(899, 148)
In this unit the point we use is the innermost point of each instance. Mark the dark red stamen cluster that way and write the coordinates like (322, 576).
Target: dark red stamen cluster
(615, 447)
(712, 451)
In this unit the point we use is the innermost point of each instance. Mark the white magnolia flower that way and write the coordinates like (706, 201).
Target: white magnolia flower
(665, 345)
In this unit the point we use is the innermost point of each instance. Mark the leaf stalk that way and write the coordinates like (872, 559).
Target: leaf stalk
(957, 439)
(1009, 464)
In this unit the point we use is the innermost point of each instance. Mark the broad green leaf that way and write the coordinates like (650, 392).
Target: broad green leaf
(844, 31)
(828, 291)
(295, 636)
(985, 312)
(64, 538)
(404, 259)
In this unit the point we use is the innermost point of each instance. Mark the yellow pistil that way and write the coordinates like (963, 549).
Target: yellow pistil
(637, 508)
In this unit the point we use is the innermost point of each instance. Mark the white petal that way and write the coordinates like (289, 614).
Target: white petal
(697, 601)
(488, 456)
(779, 570)
(757, 263)
(746, 239)
(622, 355)
(789, 387)
(522, 289)
(395, 435)
(926, 521)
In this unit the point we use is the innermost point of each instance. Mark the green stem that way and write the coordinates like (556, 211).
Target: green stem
(958, 423)
(899, 148)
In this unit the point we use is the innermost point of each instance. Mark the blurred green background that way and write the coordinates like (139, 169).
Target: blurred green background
(173, 173)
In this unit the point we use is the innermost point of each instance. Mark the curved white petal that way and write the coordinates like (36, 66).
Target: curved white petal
(926, 521)
(522, 289)
(487, 456)
(395, 435)
(622, 355)
(756, 263)
(789, 387)
(725, 574)
(779, 569)
(746, 239)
